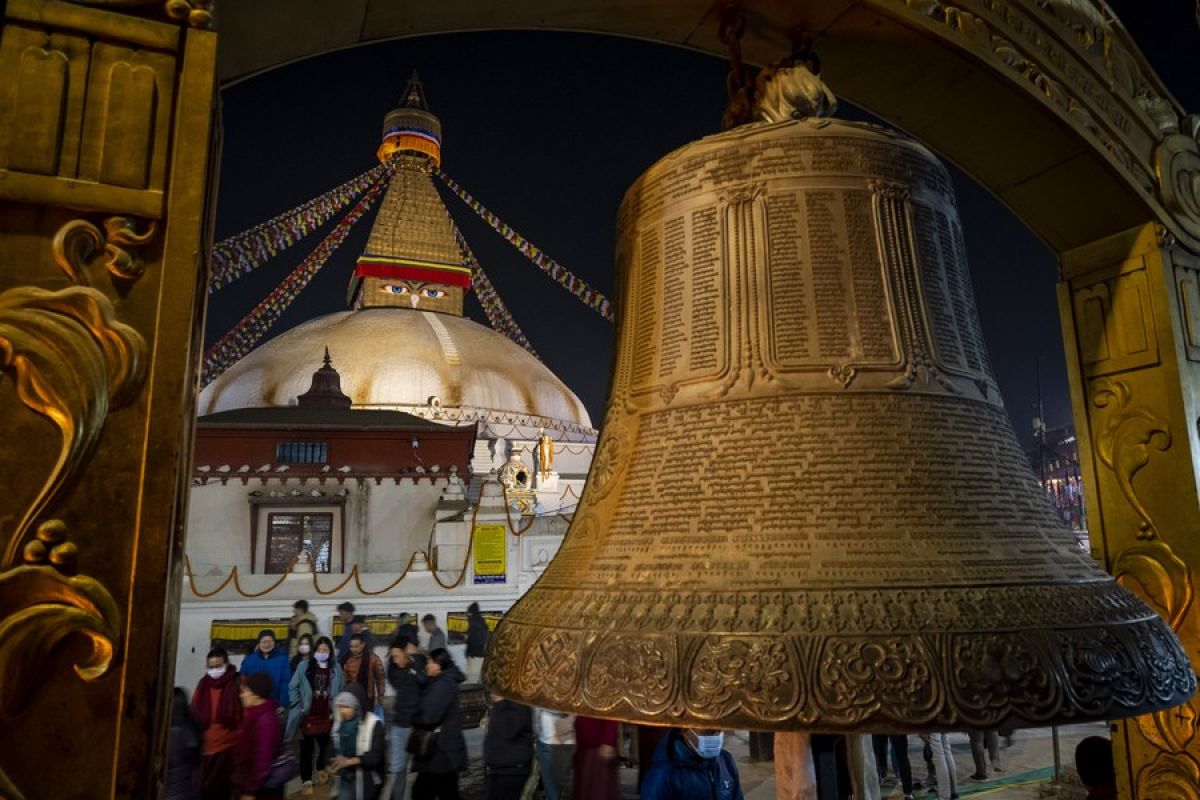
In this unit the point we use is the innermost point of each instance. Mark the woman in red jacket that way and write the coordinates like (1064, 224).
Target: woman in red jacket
(597, 771)
(259, 740)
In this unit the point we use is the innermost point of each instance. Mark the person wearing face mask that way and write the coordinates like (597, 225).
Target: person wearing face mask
(273, 662)
(692, 765)
(218, 710)
(303, 623)
(358, 741)
(302, 652)
(315, 682)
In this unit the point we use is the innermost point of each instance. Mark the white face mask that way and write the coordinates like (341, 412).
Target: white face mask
(305, 649)
(321, 657)
(216, 672)
(710, 746)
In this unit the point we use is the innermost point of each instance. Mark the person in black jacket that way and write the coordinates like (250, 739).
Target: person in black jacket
(183, 751)
(508, 748)
(440, 717)
(406, 676)
(477, 642)
(692, 764)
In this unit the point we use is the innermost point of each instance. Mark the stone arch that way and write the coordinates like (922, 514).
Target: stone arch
(1047, 103)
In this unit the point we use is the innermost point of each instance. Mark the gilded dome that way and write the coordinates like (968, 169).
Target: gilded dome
(437, 366)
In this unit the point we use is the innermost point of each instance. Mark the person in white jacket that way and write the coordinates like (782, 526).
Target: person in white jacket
(555, 751)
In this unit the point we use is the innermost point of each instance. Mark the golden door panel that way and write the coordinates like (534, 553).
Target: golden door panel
(98, 301)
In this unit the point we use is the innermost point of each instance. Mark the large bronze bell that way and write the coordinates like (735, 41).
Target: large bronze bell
(808, 508)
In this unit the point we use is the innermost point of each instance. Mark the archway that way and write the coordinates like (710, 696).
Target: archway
(1046, 102)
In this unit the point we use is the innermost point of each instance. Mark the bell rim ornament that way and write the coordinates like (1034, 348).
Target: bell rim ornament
(1004, 627)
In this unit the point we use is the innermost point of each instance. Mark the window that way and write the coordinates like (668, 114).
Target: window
(289, 533)
(302, 452)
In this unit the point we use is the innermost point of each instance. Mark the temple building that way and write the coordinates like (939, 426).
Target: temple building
(397, 454)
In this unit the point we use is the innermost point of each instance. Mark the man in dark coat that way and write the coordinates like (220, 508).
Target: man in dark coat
(508, 748)
(345, 612)
(406, 676)
(477, 642)
(440, 711)
(692, 765)
(1094, 761)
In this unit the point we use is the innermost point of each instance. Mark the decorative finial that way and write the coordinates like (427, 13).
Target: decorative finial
(790, 90)
(411, 128)
(326, 388)
(414, 93)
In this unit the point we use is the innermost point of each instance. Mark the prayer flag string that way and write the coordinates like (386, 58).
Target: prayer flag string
(489, 299)
(242, 338)
(592, 298)
(245, 251)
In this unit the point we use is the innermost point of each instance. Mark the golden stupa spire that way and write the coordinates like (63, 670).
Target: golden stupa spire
(412, 259)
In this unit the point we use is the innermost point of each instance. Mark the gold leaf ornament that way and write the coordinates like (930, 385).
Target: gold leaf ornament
(78, 240)
(1155, 573)
(72, 361)
(39, 608)
(1127, 436)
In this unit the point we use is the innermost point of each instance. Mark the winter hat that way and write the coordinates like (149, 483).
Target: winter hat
(348, 700)
(264, 633)
(259, 683)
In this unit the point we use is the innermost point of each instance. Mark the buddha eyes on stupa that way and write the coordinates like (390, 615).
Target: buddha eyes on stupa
(403, 288)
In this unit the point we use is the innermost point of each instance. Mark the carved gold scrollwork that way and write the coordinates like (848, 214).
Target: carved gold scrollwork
(40, 606)
(1169, 775)
(1165, 583)
(76, 242)
(1124, 440)
(71, 361)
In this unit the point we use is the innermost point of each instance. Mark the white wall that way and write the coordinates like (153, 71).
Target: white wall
(385, 523)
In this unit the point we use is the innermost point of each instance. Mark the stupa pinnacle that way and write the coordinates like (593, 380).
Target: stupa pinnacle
(412, 259)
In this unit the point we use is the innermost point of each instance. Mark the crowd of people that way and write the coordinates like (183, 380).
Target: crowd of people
(891, 765)
(314, 710)
(316, 713)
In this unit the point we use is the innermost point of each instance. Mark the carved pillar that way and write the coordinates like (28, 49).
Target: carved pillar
(105, 150)
(1130, 307)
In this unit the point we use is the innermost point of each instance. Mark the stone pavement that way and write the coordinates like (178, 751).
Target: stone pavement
(1028, 768)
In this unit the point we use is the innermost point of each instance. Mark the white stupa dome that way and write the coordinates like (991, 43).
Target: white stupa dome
(437, 366)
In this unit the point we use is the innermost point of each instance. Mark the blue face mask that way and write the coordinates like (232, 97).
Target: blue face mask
(709, 746)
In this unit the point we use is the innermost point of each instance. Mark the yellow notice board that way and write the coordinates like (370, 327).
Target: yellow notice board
(491, 564)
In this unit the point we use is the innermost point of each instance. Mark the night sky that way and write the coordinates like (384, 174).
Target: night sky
(548, 130)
